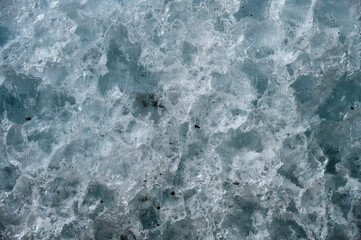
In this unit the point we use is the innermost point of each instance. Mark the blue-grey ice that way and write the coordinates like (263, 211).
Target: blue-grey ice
(180, 119)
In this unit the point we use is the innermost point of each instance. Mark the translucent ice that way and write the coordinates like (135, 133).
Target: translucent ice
(180, 119)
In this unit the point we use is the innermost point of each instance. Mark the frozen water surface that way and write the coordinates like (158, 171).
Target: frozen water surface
(180, 119)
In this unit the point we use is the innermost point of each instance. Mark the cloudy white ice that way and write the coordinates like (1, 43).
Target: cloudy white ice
(180, 119)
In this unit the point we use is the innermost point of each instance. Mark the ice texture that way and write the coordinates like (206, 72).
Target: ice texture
(180, 119)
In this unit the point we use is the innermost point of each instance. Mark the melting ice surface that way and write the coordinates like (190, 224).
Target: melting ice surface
(180, 119)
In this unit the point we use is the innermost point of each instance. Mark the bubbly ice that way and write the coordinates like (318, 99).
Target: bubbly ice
(180, 119)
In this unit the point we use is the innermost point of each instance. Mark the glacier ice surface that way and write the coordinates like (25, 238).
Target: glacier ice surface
(180, 119)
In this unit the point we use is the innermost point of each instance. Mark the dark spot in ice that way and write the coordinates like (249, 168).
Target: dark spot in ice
(125, 237)
(251, 15)
(158, 207)
(172, 193)
(196, 126)
(236, 183)
(144, 199)
(158, 224)
(101, 201)
(352, 108)
(28, 118)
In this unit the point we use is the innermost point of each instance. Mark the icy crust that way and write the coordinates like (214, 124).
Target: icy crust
(202, 119)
